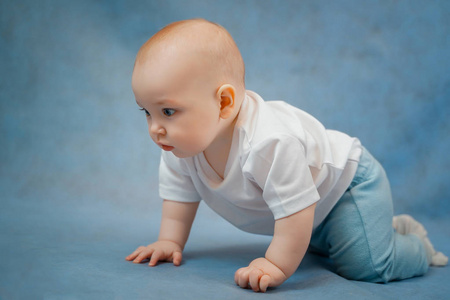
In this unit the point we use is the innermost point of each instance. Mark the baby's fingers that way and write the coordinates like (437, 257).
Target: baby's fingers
(241, 277)
(177, 257)
(131, 256)
(144, 254)
(264, 283)
(156, 255)
(160, 255)
(135, 253)
(254, 279)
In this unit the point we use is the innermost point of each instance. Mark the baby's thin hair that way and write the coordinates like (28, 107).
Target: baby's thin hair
(220, 45)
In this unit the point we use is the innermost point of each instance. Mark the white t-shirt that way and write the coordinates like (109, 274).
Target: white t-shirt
(281, 161)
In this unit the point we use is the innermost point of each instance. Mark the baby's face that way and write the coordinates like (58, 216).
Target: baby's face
(179, 98)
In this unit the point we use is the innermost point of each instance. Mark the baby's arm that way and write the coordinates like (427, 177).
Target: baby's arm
(176, 222)
(289, 244)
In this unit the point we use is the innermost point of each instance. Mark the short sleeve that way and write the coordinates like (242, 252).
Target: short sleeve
(279, 167)
(174, 181)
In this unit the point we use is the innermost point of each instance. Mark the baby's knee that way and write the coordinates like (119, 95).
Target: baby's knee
(404, 258)
(364, 272)
(359, 263)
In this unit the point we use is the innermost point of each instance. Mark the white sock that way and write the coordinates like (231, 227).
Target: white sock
(405, 224)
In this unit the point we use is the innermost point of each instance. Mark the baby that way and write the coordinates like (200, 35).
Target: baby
(266, 167)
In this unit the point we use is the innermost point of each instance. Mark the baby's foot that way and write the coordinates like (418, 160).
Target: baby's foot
(405, 224)
(438, 259)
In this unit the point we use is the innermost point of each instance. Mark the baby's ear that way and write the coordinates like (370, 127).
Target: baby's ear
(226, 96)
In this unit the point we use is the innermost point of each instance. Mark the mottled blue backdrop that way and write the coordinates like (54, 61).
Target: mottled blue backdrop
(76, 161)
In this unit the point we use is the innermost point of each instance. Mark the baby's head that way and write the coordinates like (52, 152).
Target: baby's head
(196, 43)
(192, 63)
(193, 48)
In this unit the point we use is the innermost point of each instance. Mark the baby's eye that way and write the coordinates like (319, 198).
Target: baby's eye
(146, 112)
(168, 111)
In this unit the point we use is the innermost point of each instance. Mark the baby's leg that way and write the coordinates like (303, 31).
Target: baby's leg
(405, 224)
(359, 236)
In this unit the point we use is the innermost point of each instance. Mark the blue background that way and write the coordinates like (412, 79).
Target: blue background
(78, 172)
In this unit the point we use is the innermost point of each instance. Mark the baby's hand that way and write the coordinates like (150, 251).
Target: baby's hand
(158, 251)
(259, 275)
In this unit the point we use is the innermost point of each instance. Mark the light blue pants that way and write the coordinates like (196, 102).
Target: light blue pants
(358, 235)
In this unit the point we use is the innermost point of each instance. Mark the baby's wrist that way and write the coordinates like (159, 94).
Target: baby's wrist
(163, 240)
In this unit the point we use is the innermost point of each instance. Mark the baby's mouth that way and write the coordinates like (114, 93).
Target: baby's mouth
(166, 148)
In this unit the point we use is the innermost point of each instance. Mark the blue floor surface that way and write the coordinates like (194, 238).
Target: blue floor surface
(55, 251)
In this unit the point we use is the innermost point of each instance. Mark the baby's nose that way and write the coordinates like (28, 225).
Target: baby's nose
(157, 129)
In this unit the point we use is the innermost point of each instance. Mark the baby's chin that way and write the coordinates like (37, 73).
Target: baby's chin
(188, 152)
(181, 154)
